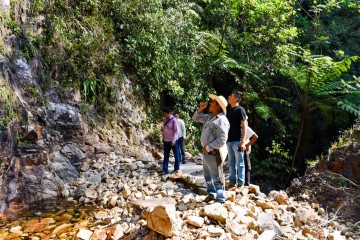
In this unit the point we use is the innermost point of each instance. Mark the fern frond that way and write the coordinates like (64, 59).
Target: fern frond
(208, 43)
(328, 70)
(350, 107)
(279, 101)
(226, 63)
(263, 111)
(267, 114)
(330, 86)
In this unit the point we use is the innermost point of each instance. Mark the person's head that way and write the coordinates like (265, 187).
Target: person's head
(235, 97)
(167, 112)
(218, 104)
(176, 115)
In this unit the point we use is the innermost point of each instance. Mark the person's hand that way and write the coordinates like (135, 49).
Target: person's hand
(172, 143)
(202, 106)
(205, 151)
(242, 146)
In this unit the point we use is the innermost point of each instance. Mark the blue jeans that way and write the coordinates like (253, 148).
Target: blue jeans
(167, 149)
(182, 148)
(215, 187)
(236, 161)
(247, 168)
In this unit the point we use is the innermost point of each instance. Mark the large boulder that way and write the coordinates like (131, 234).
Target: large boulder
(162, 219)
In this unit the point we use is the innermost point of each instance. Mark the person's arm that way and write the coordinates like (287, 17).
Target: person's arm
(253, 139)
(162, 130)
(198, 115)
(176, 131)
(244, 124)
(183, 129)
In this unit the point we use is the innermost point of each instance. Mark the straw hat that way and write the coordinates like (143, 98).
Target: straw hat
(220, 100)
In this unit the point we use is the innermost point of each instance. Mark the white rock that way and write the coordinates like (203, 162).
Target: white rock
(90, 193)
(267, 235)
(84, 234)
(195, 221)
(336, 235)
(15, 229)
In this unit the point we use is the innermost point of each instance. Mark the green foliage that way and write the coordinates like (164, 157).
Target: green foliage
(160, 44)
(276, 167)
(8, 105)
(294, 60)
(155, 136)
(345, 139)
(352, 107)
(78, 47)
(92, 88)
(35, 93)
(26, 46)
(93, 123)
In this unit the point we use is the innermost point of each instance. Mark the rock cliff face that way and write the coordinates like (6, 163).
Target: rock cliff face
(47, 134)
(43, 147)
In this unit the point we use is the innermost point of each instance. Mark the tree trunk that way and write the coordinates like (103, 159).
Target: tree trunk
(300, 136)
(304, 113)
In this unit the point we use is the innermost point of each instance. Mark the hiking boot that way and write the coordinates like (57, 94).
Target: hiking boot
(183, 162)
(231, 187)
(208, 199)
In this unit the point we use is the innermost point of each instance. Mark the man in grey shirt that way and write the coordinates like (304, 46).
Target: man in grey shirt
(182, 136)
(213, 140)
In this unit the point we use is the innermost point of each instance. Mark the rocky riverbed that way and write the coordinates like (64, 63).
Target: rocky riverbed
(126, 198)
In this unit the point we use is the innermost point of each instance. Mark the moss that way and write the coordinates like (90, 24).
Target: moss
(8, 105)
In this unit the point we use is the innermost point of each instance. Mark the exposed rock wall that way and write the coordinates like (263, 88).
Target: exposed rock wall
(334, 181)
(345, 160)
(47, 139)
(43, 149)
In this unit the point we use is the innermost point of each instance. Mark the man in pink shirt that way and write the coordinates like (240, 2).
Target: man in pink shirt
(170, 140)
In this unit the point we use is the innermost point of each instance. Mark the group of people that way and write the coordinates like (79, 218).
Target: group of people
(225, 133)
(173, 136)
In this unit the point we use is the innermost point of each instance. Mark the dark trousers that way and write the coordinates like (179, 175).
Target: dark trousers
(182, 148)
(167, 149)
(247, 168)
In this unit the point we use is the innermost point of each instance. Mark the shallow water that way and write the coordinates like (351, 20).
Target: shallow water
(43, 219)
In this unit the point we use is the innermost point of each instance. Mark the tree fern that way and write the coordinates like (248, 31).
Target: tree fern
(318, 80)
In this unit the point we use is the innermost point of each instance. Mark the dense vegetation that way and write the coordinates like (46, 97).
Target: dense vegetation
(296, 62)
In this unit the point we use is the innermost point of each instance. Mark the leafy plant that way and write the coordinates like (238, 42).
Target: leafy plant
(93, 89)
(276, 166)
(318, 78)
(8, 106)
(35, 93)
(93, 123)
(155, 135)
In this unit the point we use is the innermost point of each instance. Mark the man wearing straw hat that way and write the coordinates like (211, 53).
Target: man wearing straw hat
(213, 140)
